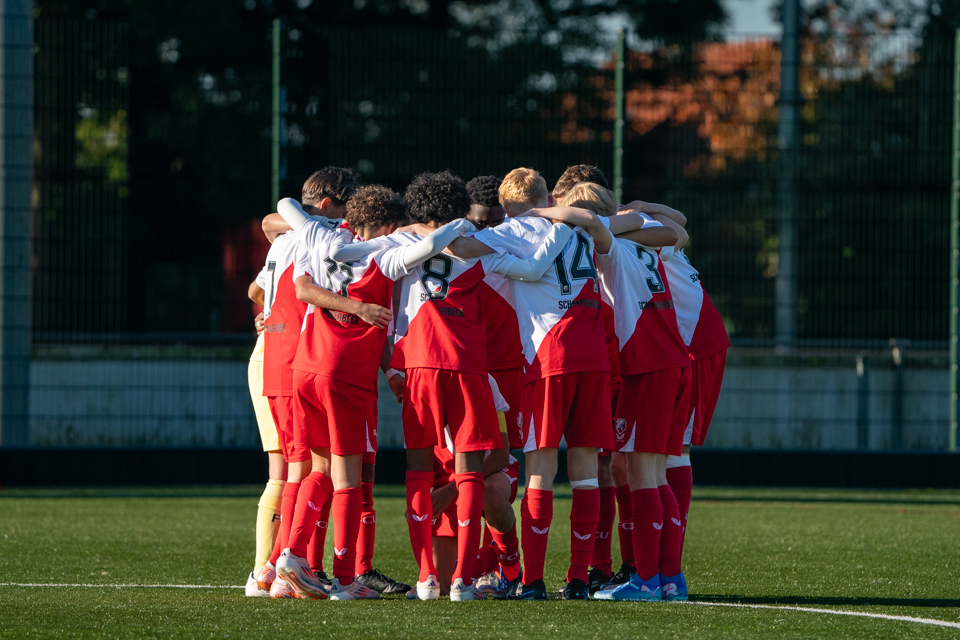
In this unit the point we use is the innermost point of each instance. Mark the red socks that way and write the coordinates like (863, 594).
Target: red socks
(625, 526)
(469, 510)
(681, 482)
(508, 551)
(347, 505)
(647, 524)
(584, 516)
(420, 520)
(319, 539)
(288, 501)
(602, 544)
(315, 490)
(368, 531)
(486, 561)
(670, 535)
(536, 513)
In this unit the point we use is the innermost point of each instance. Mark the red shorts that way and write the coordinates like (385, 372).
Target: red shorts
(334, 414)
(510, 382)
(652, 411)
(439, 404)
(370, 457)
(707, 378)
(614, 394)
(445, 524)
(281, 408)
(573, 406)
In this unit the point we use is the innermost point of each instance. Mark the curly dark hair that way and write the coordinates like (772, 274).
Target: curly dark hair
(437, 197)
(575, 175)
(484, 190)
(335, 183)
(373, 206)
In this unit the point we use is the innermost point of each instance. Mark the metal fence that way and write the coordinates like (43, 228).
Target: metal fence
(153, 166)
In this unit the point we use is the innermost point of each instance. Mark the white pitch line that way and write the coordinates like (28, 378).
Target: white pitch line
(835, 612)
(124, 586)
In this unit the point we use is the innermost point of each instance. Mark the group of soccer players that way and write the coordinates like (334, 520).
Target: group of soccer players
(503, 317)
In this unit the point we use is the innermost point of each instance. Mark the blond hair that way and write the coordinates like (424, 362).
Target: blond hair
(587, 195)
(523, 189)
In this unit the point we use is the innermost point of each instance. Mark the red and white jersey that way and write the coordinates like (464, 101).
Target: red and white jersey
(504, 350)
(700, 324)
(561, 326)
(336, 344)
(440, 322)
(610, 332)
(282, 313)
(634, 279)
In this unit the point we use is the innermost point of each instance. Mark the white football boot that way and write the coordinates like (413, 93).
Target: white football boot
(460, 592)
(297, 572)
(253, 590)
(356, 590)
(429, 589)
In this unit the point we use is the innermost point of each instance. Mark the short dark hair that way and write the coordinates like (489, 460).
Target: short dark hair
(437, 197)
(335, 183)
(373, 206)
(485, 191)
(575, 175)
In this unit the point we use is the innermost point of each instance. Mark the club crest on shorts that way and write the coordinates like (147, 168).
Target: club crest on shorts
(621, 428)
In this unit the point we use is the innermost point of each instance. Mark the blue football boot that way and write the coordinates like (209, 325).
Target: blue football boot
(673, 587)
(634, 589)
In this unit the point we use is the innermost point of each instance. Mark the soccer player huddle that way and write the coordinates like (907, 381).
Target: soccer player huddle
(504, 318)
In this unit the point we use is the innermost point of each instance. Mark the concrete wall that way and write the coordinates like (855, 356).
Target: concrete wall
(207, 403)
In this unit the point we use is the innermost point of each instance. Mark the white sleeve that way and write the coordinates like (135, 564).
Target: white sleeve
(532, 269)
(302, 265)
(310, 230)
(498, 400)
(263, 278)
(435, 242)
(344, 250)
(612, 258)
(647, 220)
(400, 258)
(514, 236)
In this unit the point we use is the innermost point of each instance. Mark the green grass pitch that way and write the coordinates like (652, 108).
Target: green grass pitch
(889, 553)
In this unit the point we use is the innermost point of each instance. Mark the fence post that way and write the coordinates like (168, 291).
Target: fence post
(863, 401)
(788, 135)
(618, 122)
(16, 176)
(275, 124)
(896, 433)
(954, 243)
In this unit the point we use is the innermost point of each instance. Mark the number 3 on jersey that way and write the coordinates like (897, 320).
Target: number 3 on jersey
(578, 271)
(654, 282)
(436, 272)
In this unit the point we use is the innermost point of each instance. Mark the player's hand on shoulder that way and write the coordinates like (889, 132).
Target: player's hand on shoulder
(375, 314)
(462, 225)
